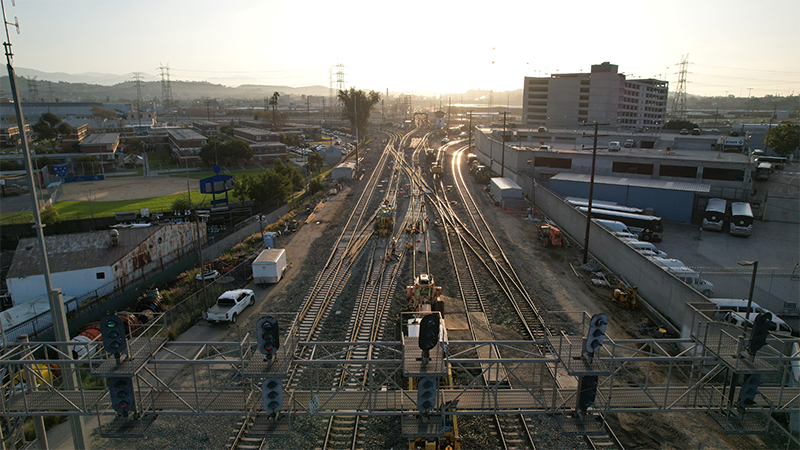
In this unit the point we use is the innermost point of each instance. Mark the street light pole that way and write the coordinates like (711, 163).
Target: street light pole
(200, 252)
(752, 287)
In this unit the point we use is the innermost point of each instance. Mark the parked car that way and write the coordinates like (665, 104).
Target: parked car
(613, 146)
(229, 305)
(684, 131)
(629, 143)
(696, 131)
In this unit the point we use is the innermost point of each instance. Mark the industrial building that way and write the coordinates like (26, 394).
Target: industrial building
(669, 158)
(97, 262)
(670, 200)
(602, 96)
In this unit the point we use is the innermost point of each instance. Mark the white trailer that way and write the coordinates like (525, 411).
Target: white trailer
(269, 266)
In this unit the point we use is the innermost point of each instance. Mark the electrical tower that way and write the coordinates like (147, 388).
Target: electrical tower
(137, 77)
(340, 86)
(679, 101)
(166, 88)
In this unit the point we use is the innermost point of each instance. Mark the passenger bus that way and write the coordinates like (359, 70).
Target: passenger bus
(604, 205)
(649, 228)
(763, 171)
(714, 216)
(741, 223)
(776, 161)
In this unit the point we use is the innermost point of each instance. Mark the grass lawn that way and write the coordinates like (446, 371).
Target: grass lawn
(84, 210)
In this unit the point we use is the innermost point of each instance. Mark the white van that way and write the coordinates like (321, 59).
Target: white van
(714, 215)
(646, 246)
(627, 236)
(613, 146)
(737, 305)
(778, 327)
(685, 274)
(614, 226)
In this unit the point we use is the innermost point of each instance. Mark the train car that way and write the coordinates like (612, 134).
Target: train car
(384, 222)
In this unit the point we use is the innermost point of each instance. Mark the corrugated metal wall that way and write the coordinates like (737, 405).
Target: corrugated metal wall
(670, 205)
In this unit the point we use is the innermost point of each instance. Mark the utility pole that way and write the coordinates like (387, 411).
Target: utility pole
(55, 298)
(503, 155)
(355, 116)
(591, 194)
(469, 131)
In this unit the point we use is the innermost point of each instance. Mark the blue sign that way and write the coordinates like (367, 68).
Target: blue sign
(60, 169)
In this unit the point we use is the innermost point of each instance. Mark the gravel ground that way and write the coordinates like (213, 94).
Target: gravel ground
(549, 279)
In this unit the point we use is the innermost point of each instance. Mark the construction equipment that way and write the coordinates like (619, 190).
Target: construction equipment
(384, 222)
(424, 296)
(436, 169)
(430, 154)
(482, 174)
(550, 235)
(626, 296)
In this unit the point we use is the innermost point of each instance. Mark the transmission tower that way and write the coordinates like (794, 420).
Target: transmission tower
(50, 88)
(137, 77)
(33, 90)
(166, 88)
(679, 101)
(340, 86)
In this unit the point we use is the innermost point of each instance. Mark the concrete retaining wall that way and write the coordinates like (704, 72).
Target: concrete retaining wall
(663, 291)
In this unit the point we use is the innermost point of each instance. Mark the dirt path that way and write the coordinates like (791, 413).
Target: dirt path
(125, 188)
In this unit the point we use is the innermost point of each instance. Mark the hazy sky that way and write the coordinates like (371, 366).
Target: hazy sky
(430, 46)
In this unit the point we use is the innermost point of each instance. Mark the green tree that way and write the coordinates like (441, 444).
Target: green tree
(209, 153)
(136, 146)
(680, 124)
(102, 115)
(315, 162)
(237, 150)
(784, 138)
(357, 106)
(269, 186)
(46, 127)
(290, 172)
(226, 130)
(315, 186)
(241, 188)
(41, 163)
(273, 101)
(50, 216)
(181, 204)
(10, 165)
(231, 151)
(64, 129)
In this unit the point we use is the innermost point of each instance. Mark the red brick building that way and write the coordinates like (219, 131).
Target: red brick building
(186, 145)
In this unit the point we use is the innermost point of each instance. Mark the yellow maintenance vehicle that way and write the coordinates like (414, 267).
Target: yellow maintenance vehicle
(626, 296)
(436, 169)
(384, 221)
(424, 296)
(482, 174)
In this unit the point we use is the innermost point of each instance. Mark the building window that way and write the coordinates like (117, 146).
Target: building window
(641, 169)
(101, 275)
(710, 173)
(559, 163)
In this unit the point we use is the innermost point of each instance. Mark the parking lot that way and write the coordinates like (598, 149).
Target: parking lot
(715, 255)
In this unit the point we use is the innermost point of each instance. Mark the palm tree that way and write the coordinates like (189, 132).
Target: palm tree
(273, 101)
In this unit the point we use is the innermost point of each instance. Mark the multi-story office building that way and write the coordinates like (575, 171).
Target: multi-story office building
(604, 96)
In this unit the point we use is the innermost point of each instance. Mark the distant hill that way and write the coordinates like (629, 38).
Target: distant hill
(103, 87)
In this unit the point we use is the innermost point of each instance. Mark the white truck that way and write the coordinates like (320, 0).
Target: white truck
(229, 305)
(269, 266)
